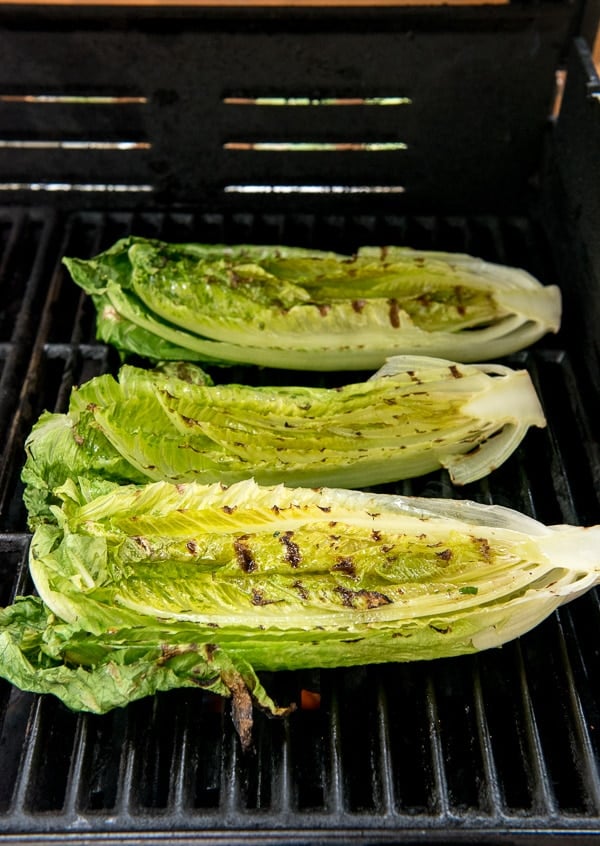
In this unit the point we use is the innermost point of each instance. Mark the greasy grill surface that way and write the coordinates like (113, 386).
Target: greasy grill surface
(498, 747)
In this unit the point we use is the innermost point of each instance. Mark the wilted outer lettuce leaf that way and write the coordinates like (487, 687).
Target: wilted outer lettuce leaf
(415, 415)
(98, 672)
(302, 309)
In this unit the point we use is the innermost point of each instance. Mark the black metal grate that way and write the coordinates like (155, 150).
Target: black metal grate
(500, 747)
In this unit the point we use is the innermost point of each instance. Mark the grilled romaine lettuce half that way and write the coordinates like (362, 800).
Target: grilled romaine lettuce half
(415, 415)
(304, 309)
(152, 587)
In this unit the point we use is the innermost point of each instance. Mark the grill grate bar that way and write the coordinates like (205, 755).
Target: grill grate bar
(230, 784)
(21, 334)
(179, 799)
(28, 763)
(125, 803)
(75, 348)
(20, 378)
(498, 243)
(335, 796)
(587, 759)
(388, 802)
(440, 795)
(493, 799)
(561, 480)
(17, 223)
(76, 779)
(16, 542)
(544, 799)
(281, 779)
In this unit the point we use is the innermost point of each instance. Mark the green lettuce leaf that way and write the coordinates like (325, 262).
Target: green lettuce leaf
(302, 309)
(154, 587)
(415, 415)
(246, 563)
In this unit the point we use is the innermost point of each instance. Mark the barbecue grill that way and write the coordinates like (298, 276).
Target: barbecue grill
(431, 127)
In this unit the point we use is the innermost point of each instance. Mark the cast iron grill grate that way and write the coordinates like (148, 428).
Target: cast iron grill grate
(502, 746)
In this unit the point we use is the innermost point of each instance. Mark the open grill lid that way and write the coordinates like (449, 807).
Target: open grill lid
(412, 108)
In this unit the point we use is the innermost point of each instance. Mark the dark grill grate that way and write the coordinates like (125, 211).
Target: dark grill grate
(498, 747)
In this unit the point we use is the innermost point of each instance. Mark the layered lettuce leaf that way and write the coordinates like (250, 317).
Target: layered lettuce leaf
(310, 310)
(415, 415)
